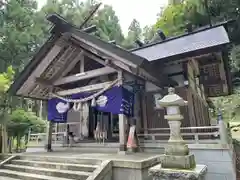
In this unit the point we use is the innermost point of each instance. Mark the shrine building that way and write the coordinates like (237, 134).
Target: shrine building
(86, 80)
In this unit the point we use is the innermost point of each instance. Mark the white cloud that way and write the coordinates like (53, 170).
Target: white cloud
(144, 11)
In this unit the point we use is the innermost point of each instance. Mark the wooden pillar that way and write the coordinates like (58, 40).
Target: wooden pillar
(122, 123)
(137, 110)
(144, 112)
(49, 136)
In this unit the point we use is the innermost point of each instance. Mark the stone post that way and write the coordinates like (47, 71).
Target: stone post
(222, 128)
(176, 163)
(48, 145)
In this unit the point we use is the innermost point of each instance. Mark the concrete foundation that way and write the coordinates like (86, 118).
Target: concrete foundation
(159, 173)
(131, 166)
(219, 159)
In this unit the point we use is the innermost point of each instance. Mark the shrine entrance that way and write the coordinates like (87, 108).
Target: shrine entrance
(108, 122)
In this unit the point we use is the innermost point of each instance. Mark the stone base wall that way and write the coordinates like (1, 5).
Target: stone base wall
(130, 174)
(219, 161)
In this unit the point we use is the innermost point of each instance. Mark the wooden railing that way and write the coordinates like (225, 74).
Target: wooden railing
(192, 135)
(40, 138)
(57, 135)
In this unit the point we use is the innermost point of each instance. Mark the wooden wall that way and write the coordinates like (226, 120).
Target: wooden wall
(195, 114)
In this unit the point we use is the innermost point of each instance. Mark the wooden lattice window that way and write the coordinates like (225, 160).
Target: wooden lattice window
(211, 70)
(214, 90)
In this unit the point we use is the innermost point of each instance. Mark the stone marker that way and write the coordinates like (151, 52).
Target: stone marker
(176, 163)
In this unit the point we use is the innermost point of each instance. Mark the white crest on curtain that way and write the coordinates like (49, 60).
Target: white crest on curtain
(62, 107)
(102, 101)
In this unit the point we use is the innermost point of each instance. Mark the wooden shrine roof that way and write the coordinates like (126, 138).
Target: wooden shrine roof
(187, 45)
(62, 49)
(67, 43)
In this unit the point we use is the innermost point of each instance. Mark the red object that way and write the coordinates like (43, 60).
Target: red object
(131, 143)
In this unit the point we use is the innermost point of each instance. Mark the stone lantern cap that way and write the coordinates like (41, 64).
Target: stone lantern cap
(172, 99)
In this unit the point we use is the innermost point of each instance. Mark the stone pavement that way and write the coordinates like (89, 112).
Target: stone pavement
(94, 155)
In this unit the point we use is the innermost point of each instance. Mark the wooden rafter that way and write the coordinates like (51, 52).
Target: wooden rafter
(70, 64)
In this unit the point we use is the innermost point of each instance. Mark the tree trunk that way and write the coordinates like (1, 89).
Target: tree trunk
(4, 138)
(18, 143)
(10, 144)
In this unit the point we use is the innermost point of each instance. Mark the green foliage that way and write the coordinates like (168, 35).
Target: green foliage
(20, 121)
(108, 27)
(6, 80)
(175, 17)
(19, 33)
(148, 33)
(235, 58)
(229, 105)
(172, 20)
(134, 33)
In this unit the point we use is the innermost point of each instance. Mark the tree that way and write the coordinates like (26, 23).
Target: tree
(5, 82)
(108, 27)
(172, 21)
(148, 33)
(19, 34)
(20, 121)
(175, 18)
(134, 33)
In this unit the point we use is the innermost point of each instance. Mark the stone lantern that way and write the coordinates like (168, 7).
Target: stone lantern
(176, 152)
(176, 163)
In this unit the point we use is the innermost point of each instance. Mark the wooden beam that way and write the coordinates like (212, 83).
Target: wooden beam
(43, 82)
(97, 59)
(146, 76)
(84, 75)
(137, 72)
(82, 65)
(176, 74)
(118, 64)
(110, 54)
(52, 53)
(88, 88)
(115, 64)
(72, 63)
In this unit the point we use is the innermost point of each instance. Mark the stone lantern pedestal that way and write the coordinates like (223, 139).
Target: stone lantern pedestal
(176, 163)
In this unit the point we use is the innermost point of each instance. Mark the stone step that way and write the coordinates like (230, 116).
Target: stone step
(7, 178)
(57, 159)
(49, 172)
(55, 165)
(26, 176)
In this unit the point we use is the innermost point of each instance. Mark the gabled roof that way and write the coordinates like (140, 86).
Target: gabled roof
(199, 40)
(62, 29)
(64, 26)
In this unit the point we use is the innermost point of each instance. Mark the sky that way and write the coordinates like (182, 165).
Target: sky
(126, 10)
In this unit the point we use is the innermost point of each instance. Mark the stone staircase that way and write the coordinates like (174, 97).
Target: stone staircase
(48, 168)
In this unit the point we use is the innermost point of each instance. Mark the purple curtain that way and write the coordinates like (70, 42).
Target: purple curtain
(116, 100)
